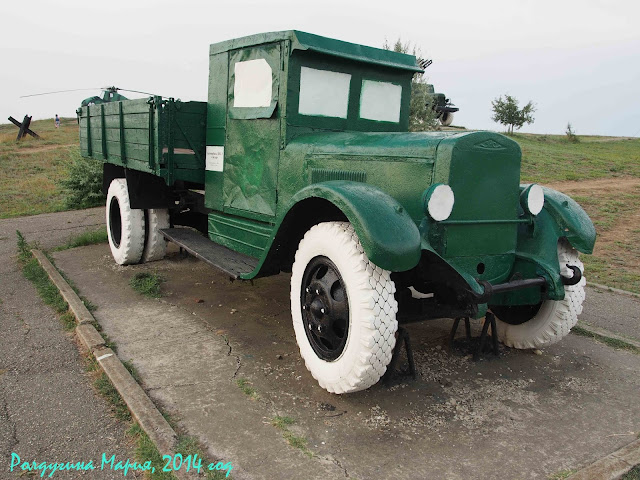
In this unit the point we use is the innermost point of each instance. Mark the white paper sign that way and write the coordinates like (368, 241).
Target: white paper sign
(215, 159)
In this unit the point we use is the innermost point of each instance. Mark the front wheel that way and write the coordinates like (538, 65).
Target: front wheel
(343, 309)
(538, 326)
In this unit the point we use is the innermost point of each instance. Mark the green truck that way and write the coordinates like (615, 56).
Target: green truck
(300, 161)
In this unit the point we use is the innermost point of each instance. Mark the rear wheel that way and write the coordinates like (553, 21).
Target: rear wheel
(538, 326)
(125, 225)
(155, 245)
(343, 309)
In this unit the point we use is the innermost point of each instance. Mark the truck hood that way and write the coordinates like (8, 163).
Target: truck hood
(413, 145)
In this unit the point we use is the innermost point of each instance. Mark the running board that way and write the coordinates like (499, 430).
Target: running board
(216, 255)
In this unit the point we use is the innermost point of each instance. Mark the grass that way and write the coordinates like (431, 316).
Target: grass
(551, 158)
(616, 260)
(611, 342)
(248, 390)
(562, 474)
(146, 450)
(612, 271)
(147, 284)
(283, 424)
(188, 445)
(606, 212)
(633, 474)
(84, 239)
(49, 293)
(32, 169)
(109, 392)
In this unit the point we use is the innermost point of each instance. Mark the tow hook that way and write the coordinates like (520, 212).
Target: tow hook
(577, 276)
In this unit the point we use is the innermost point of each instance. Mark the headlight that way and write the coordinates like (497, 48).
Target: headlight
(532, 199)
(438, 201)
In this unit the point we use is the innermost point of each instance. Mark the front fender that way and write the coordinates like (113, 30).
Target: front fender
(388, 235)
(571, 219)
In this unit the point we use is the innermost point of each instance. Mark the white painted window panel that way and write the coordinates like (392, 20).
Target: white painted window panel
(380, 101)
(252, 86)
(324, 93)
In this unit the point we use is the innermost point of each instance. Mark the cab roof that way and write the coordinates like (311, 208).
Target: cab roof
(328, 46)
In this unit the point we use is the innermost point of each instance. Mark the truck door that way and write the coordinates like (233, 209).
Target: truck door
(252, 143)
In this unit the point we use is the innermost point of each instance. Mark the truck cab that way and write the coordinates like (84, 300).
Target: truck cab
(267, 91)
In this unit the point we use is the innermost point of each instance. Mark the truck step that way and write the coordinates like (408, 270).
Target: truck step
(233, 263)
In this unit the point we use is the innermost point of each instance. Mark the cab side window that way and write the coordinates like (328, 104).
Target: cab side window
(254, 75)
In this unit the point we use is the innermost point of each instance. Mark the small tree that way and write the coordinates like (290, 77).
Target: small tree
(571, 135)
(83, 183)
(506, 112)
(421, 116)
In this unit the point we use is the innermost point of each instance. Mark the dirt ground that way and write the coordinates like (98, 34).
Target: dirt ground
(518, 416)
(30, 150)
(617, 244)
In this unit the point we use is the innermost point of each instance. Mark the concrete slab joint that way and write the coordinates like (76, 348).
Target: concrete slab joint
(89, 337)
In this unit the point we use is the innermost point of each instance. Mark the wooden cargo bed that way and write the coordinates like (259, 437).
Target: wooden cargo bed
(162, 137)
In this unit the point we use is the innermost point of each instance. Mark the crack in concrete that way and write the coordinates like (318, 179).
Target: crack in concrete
(238, 365)
(337, 463)
(238, 362)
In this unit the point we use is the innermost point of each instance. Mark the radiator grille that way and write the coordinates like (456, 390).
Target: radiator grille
(327, 174)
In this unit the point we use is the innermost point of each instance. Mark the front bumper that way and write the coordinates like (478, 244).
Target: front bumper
(513, 285)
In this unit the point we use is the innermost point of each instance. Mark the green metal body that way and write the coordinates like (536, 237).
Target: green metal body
(273, 169)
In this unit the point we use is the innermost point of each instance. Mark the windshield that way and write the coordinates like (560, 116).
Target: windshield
(329, 93)
(326, 93)
(380, 101)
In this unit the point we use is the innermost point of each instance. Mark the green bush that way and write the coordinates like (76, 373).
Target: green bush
(83, 185)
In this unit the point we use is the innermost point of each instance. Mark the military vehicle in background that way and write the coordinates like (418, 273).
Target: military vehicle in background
(442, 106)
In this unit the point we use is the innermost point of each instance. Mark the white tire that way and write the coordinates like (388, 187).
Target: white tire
(125, 225)
(555, 318)
(155, 245)
(345, 324)
(446, 118)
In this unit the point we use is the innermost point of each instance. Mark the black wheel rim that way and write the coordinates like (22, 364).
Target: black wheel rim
(325, 308)
(115, 222)
(515, 314)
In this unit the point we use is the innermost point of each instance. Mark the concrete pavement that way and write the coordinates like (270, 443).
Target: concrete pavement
(48, 409)
(520, 416)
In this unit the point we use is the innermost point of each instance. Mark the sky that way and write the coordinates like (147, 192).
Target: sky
(577, 61)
